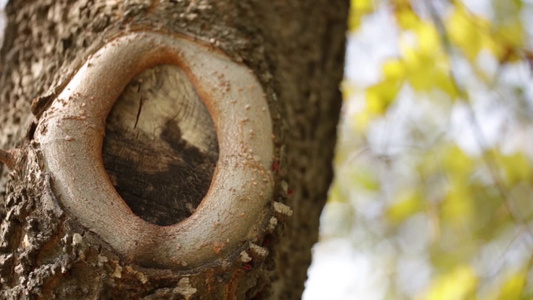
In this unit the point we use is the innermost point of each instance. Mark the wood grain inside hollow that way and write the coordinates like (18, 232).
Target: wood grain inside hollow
(160, 148)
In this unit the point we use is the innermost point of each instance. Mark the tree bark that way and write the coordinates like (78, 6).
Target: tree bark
(295, 49)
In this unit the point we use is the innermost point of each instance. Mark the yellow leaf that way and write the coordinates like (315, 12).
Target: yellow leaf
(378, 99)
(394, 69)
(446, 84)
(358, 9)
(517, 168)
(366, 179)
(512, 34)
(362, 5)
(407, 204)
(472, 33)
(458, 206)
(468, 32)
(459, 284)
(405, 16)
(426, 65)
(424, 79)
(514, 286)
(457, 163)
(428, 38)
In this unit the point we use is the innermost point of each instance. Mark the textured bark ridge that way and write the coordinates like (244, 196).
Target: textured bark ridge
(294, 47)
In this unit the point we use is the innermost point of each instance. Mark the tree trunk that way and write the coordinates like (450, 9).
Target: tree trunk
(55, 237)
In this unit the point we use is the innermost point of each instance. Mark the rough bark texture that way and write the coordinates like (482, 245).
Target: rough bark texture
(295, 48)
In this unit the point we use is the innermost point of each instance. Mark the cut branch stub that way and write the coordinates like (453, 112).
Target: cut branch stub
(160, 147)
(233, 211)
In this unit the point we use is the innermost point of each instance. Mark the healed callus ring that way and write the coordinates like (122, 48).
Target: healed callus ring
(71, 135)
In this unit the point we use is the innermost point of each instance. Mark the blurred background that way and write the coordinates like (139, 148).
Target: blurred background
(433, 194)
